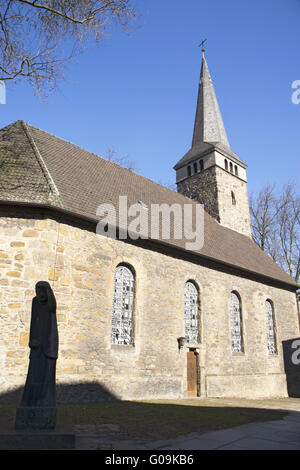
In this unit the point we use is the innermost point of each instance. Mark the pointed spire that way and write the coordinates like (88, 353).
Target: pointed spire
(209, 126)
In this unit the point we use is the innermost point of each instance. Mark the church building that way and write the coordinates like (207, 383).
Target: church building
(145, 317)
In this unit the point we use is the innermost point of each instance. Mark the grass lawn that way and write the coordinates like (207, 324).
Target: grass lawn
(159, 419)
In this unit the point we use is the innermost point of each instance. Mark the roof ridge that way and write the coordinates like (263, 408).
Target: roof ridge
(39, 157)
(189, 200)
(109, 161)
(65, 140)
(37, 153)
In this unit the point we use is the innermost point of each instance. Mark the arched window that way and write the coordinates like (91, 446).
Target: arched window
(236, 170)
(189, 170)
(226, 164)
(236, 323)
(231, 167)
(201, 165)
(272, 347)
(122, 324)
(191, 312)
(195, 167)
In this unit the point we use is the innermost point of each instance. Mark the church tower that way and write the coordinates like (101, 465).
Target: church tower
(210, 172)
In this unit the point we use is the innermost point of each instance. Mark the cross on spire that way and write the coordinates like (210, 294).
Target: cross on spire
(202, 44)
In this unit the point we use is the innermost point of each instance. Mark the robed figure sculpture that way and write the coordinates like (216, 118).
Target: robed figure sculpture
(38, 405)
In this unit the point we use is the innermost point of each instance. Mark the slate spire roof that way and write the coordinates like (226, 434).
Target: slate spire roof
(209, 126)
(209, 130)
(40, 170)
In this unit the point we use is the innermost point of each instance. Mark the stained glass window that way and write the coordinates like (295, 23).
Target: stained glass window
(272, 348)
(235, 323)
(191, 313)
(123, 306)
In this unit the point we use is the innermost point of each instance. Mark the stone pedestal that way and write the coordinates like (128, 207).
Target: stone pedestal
(35, 418)
(34, 430)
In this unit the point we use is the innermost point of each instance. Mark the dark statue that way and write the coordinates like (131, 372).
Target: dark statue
(38, 404)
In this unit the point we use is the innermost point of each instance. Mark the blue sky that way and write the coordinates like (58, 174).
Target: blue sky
(138, 92)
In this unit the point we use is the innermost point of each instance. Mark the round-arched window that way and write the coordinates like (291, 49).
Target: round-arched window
(236, 323)
(272, 347)
(191, 311)
(122, 316)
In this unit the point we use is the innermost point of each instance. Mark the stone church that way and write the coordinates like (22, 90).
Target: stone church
(140, 318)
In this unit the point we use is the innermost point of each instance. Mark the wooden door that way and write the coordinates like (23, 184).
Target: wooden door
(191, 374)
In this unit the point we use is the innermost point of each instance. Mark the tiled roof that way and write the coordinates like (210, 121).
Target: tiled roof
(38, 167)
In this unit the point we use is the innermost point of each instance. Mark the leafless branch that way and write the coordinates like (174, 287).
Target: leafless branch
(125, 161)
(275, 225)
(39, 37)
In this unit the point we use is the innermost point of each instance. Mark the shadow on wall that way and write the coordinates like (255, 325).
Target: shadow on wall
(87, 392)
(291, 357)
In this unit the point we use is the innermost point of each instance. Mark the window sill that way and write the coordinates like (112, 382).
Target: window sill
(192, 345)
(122, 347)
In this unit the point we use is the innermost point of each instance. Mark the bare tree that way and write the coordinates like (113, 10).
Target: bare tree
(167, 184)
(38, 37)
(289, 230)
(275, 220)
(125, 161)
(263, 213)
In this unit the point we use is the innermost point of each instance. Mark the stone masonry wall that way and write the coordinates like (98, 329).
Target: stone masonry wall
(212, 187)
(202, 187)
(80, 268)
(235, 216)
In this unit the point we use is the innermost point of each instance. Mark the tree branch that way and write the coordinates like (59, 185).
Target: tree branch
(41, 6)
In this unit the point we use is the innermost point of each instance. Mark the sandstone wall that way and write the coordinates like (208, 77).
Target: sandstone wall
(202, 187)
(80, 267)
(213, 187)
(235, 216)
